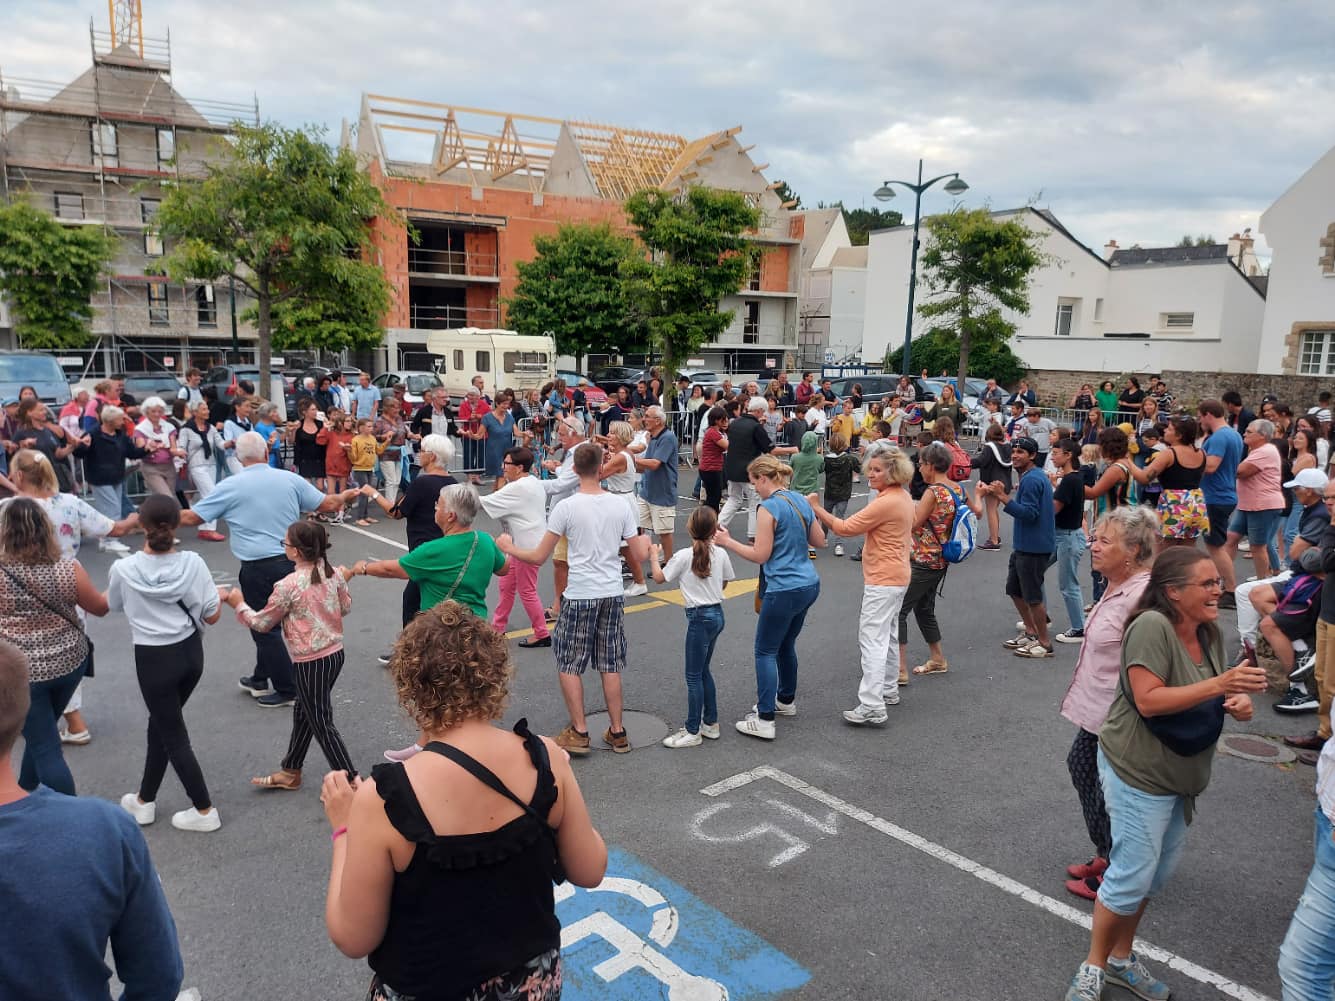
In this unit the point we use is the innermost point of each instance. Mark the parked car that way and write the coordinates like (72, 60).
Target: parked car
(142, 385)
(876, 386)
(40, 371)
(592, 393)
(610, 379)
(416, 384)
(317, 372)
(227, 378)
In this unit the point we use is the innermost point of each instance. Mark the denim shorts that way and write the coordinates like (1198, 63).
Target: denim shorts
(1148, 834)
(1258, 526)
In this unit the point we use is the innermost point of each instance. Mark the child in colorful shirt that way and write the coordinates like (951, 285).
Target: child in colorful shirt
(363, 454)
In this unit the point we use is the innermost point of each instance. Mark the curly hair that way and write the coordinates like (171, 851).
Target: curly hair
(449, 666)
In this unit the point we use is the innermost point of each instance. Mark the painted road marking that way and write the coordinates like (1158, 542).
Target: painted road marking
(652, 938)
(829, 825)
(374, 535)
(1173, 961)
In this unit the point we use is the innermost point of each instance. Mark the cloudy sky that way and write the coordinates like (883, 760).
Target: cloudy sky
(1138, 120)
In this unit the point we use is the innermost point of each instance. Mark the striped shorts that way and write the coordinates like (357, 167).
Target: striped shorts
(590, 632)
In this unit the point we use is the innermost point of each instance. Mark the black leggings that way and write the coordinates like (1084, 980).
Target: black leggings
(167, 676)
(313, 715)
(920, 599)
(1083, 764)
(713, 482)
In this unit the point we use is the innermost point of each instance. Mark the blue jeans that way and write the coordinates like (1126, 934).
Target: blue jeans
(703, 626)
(1070, 551)
(110, 499)
(1148, 835)
(1307, 957)
(1291, 526)
(782, 614)
(43, 759)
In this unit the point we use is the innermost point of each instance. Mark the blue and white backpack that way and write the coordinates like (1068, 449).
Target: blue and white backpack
(963, 530)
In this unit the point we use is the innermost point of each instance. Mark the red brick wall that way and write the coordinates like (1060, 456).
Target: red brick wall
(774, 269)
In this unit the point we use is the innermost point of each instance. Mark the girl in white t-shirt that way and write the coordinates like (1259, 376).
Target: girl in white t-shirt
(702, 570)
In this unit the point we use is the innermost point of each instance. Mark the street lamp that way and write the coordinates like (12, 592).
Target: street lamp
(884, 193)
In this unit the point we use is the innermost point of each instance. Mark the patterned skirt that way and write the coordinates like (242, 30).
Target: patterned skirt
(537, 980)
(1182, 514)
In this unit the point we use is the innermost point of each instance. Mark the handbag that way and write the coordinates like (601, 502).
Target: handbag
(1187, 732)
(74, 621)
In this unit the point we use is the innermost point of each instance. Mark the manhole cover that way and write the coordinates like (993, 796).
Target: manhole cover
(643, 729)
(1251, 748)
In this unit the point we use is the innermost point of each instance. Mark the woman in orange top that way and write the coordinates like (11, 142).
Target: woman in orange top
(887, 521)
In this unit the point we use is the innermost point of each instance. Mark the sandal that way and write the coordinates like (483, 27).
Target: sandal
(903, 676)
(364, 522)
(281, 779)
(932, 667)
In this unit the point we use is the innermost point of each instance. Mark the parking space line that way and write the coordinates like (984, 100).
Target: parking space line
(372, 535)
(1064, 911)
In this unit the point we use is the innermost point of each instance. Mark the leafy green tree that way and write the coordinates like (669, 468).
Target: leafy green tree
(1196, 241)
(699, 253)
(860, 222)
(787, 194)
(573, 288)
(49, 273)
(288, 219)
(939, 351)
(974, 267)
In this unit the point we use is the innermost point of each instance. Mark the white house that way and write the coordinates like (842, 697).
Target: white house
(1134, 310)
(834, 301)
(1298, 335)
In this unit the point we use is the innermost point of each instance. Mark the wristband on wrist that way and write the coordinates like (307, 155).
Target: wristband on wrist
(338, 833)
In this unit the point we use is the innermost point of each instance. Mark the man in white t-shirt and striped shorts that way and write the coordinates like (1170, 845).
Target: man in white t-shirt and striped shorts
(590, 630)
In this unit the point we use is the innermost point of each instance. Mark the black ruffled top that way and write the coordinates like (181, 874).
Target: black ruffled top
(469, 906)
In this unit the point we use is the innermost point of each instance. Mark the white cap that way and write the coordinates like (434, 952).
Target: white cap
(1311, 479)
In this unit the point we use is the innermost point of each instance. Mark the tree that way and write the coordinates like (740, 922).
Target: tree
(49, 273)
(973, 268)
(1198, 241)
(288, 219)
(700, 253)
(787, 194)
(860, 222)
(573, 288)
(939, 350)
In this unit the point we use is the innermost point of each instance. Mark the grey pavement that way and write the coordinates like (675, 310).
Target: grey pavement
(857, 856)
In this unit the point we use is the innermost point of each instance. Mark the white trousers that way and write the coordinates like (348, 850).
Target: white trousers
(740, 495)
(205, 480)
(392, 471)
(1249, 619)
(878, 640)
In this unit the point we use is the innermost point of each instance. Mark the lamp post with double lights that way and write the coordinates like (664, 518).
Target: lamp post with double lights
(956, 186)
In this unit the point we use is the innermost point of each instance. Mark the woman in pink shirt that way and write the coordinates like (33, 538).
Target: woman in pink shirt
(1260, 498)
(887, 521)
(1122, 550)
(310, 603)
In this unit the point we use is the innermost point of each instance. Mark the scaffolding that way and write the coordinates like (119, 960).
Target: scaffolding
(98, 150)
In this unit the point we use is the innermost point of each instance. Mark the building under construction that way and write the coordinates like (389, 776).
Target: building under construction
(478, 186)
(97, 151)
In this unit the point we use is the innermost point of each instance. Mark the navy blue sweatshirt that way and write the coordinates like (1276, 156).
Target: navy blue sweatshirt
(105, 454)
(1031, 507)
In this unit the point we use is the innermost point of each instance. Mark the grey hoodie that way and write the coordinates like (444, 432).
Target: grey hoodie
(148, 587)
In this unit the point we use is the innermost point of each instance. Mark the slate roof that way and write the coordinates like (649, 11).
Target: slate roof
(1168, 255)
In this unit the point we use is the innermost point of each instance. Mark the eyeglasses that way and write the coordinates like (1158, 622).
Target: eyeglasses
(1213, 584)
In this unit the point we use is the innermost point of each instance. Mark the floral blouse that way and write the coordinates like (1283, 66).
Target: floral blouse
(311, 614)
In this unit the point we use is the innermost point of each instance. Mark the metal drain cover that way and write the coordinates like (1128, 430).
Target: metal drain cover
(643, 729)
(1251, 748)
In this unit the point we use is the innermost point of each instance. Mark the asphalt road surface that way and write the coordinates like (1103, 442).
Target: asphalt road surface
(921, 860)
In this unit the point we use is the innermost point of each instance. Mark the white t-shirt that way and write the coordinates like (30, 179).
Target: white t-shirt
(521, 508)
(698, 591)
(595, 525)
(816, 420)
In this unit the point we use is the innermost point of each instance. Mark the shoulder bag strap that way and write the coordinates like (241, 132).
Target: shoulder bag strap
(460, 579)
(796, 510)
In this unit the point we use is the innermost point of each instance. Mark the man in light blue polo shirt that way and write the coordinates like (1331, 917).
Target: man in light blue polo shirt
(259, 504)
(658, 486)
(1223, 451)
(365, 398)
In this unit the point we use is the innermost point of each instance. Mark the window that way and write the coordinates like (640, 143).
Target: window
(69, 205)
(753, 280)
(166, 147)
(1065, 314)
(1098, 310)
(206, 307)
(1316, 352)
(751, 324)
(1177, 321)
(148, 212)
(152, 244)
(530, 363)
(157, 304)
(484, 361)
(458, 360)
(105, 153)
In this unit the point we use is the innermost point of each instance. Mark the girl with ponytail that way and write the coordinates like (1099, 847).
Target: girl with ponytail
(167, 596)
(702, 570)
(310, 604)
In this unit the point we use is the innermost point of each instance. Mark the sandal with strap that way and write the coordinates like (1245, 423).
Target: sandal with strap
(932, 667)
(281, 779)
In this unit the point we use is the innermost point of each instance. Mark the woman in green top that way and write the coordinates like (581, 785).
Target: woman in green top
(1172, 663)
(1106, 398)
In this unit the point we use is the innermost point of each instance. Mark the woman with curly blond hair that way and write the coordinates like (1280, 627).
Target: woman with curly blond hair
(460, 845)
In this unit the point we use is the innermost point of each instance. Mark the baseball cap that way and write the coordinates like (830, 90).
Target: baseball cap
(1311, 479)
(10, 401)
(1028, 444)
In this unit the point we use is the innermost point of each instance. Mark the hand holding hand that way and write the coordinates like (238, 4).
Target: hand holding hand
(721, 536)
(234, 597)
(505, 543)
(1243, 678)
(1239, 707)
(368, 490)
(656, 552)
(351, 494)
(813, 499)
(336, 794)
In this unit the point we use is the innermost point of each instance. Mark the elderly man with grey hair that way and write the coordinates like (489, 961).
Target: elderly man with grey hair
(259, 503)
(747, 439)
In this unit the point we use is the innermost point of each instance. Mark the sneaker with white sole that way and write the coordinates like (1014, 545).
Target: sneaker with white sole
(76, 737)
(780, 709)
(143, 813)
(860, 715)
(1304, 669)
(1130, 974)
(109, 545)
(1035, 650)
(635, 590)
(384, 658)
(1086, 985)
(1076, 636)
(683, 738)
(838, 549)
(710, 731)
(754, 726)
(1297, 701)
(891, 698)
(193, 820)
(1022, 638)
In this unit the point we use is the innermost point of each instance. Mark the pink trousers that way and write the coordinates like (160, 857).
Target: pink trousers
(521, 577)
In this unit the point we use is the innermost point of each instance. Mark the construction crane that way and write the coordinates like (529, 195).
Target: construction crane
(127, 25)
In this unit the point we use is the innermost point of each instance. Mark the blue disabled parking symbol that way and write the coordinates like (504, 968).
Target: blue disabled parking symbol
(639, 936)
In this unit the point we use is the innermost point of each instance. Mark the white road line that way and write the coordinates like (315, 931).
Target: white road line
(1064, 911)
(372, 535)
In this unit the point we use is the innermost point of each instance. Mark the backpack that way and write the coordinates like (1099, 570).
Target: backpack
(963, 531)
(961, 467)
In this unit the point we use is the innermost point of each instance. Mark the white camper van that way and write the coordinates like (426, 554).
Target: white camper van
(504, 359)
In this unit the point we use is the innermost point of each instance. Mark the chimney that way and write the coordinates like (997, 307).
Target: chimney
(1109, 249)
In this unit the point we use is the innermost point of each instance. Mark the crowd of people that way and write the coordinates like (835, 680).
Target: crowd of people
(1161, 504)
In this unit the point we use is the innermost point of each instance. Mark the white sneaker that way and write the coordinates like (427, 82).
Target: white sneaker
(860, 715)
(193, 820)
(780, 708)
(70, 737)
(635, 590)
(892, 698)
(109, 545)
(143, 813)
(709, 731)
(1021, 639)
(754, 726)
(838, 549)
(682, 738)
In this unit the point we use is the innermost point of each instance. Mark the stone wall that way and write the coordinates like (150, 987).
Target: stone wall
(1055, 388)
